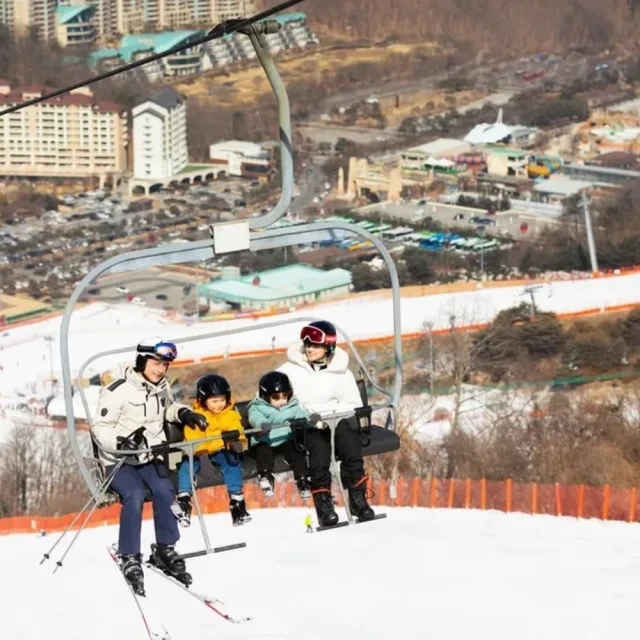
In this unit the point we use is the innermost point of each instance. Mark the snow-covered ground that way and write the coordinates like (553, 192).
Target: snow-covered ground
(420, 574)
(25, 352)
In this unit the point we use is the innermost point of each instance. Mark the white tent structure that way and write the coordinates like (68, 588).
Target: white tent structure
(498, 131)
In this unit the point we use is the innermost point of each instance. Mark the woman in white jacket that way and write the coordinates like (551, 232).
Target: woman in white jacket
(322, 382)
(131, 414)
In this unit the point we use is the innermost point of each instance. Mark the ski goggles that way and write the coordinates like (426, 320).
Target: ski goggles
(165, 351)
(316, 336)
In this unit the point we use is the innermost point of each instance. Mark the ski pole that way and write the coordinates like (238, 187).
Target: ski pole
(88, 517)
(97, 497)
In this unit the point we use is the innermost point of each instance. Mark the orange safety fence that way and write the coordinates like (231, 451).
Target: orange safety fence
(578, 501)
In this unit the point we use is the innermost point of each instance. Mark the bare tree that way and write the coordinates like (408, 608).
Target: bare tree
(38, 474)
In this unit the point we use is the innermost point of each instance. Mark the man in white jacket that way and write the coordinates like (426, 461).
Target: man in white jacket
(131, 415)
(322, 382)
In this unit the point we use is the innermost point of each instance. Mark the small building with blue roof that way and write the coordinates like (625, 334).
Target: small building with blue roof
(282, 287)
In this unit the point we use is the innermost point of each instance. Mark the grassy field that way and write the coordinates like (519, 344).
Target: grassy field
(245, 85)
(415, 103)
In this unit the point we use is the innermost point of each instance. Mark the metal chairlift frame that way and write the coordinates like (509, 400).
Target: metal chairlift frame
(249, 234)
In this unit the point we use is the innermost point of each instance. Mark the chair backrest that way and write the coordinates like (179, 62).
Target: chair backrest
(242, 410)
(362, 388)
(173, 431)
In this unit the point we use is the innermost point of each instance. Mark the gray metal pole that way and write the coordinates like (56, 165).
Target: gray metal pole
(284, 121)
(432, 369)
(590, 239)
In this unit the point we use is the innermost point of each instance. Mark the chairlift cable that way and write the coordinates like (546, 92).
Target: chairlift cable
(224, 28)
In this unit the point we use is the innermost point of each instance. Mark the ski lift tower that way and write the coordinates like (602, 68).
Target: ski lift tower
(530, 290)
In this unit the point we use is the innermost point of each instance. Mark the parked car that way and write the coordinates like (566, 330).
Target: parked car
(122, 290)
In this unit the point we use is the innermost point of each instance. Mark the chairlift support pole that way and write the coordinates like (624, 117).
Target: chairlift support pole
(590, 238)
(252, 235)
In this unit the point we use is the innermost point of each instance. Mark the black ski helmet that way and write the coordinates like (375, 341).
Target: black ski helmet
(320, 332)
(212, 385)
(274, 382)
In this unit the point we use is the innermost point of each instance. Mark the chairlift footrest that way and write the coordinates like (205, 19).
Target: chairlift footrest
(346, 523)
(204, 552)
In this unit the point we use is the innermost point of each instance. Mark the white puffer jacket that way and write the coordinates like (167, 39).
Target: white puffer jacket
(324, 391)
(130, 403)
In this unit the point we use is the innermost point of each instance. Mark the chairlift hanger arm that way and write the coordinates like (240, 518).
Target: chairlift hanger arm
(225, 28)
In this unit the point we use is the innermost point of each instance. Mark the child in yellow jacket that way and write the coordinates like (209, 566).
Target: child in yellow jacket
(213, 401)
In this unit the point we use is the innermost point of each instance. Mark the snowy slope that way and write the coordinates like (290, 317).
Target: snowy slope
(26, 355)
(420, 574)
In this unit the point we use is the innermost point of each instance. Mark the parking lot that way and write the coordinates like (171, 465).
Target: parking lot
(455, 216)
(158, 289)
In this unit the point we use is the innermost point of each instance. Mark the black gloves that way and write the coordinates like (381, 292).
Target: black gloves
(133, 441)
(207, 472)
(314, 418)
(236, 446)
(192, 419)
(265, 427)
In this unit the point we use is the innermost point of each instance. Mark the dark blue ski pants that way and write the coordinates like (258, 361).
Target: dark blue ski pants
(130, 483)
(231, 473)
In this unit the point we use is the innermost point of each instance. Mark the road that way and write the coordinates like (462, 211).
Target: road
(310, 183)
(148, 285)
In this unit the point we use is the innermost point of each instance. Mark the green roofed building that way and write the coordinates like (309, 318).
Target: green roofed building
(142, 45)
(281, 287)
(75, 25)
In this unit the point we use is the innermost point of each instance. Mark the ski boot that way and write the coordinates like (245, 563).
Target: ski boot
(238, 508)
(131, 567)
(304, 488)
(181, 509)
(358, 504)
(323, 501)
(165, 557)
(266, 482)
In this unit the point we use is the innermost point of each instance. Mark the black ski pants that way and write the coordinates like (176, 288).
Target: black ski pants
(348, 451)
(265, 456)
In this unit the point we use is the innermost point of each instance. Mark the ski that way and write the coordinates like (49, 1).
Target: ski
(154, 627)
(346, 523)
(215, 605)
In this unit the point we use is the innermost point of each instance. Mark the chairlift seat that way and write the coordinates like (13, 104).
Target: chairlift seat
(382, 440)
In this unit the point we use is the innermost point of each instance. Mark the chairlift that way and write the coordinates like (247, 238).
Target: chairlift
(253, 234)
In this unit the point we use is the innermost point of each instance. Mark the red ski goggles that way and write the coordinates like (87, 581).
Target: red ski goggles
(165, 351)
(316, 336)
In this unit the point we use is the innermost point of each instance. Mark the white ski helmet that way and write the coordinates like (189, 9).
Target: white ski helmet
(156, 348)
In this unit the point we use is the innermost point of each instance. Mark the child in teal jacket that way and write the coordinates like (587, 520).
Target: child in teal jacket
(275, 405)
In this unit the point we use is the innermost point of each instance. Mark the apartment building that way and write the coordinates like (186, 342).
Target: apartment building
(6, 12)
(130, 16)
(227, 9)
(24, 16)
(106, 16)
(72, 136)
(134, 16)
(160, 136)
